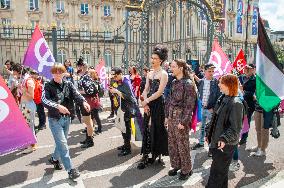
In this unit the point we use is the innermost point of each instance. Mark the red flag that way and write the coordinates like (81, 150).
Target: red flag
(101, 70)
(219, 59)
(240, 62)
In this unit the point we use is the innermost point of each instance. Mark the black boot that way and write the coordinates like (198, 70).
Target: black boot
(144, 161)
(84, 141)
(89, 142)
(126, 150)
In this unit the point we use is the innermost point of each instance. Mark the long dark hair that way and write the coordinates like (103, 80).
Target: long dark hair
(186, 71)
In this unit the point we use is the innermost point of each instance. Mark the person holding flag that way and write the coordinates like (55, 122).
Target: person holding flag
(58, 96)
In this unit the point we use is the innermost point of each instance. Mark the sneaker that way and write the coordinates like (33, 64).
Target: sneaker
(185, 176)
(84, 131)
(234, 166)
(197, 146)
(88, 143)
(98, 131)
(73, 174)
(253, 149)
(173, 172)
(259, 153)
(56, 164)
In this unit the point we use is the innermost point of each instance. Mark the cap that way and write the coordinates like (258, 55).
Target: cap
(209, 66)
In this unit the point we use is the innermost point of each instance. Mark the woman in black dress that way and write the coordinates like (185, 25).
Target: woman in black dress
(155, 136)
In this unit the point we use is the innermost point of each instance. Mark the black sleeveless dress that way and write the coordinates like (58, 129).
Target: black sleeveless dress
(155, 136)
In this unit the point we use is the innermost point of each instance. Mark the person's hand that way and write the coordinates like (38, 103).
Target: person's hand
(87, 106)
(180, 126)
(147, 109)
(206, 139)
(63, 109)
(221, 145)
(166, 122)
(113, 90)
(144, 103)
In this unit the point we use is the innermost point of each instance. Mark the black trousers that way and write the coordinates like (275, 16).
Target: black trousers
(127, 135)
(41, 115)
(95, 115)
(220, 166)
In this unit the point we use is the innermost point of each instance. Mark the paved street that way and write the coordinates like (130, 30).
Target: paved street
(101, 167)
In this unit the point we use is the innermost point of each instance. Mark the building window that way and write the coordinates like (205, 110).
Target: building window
(231, 5)
(34, 23)
(59, 6)
(7, 31)
(33, 5)
(60, 29)
(108, 59)
(61, 56)
(84, 8)
(84, 31)
(5, 4)
(86, 56)
(107, 10)
(231, 28)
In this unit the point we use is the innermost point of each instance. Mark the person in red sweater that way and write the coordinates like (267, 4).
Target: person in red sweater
(135, 79)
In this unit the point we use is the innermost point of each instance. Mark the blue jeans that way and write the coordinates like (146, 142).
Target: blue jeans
(206, 117)
(59, 129)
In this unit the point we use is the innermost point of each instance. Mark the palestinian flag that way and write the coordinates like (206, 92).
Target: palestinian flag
(269, 75)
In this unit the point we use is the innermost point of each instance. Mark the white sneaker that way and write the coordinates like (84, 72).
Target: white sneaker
(234, 166)
(253, 149)
(259, 153)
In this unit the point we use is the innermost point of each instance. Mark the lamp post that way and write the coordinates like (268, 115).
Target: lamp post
(246, 40)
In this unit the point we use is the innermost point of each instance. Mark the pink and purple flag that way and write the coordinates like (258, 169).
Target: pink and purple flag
(15, 132)
(38, 55)
(219, 59)
(101, 70)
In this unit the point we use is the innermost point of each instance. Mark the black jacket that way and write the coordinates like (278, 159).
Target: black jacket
(214, 92)
(65, 94)
(249, 87)
(226, 122)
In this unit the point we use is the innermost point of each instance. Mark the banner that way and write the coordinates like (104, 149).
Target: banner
(219, 59)
(254, 20)
(38, 55)
(240, 16)
(240, 62)
(101, 70)
(15, 132)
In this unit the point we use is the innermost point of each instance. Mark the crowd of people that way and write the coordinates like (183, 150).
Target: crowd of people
(167, 92)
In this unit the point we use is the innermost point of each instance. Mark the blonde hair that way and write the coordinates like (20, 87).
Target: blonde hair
(58, 68)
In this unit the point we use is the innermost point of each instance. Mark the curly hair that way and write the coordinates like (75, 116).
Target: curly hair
(161, 51)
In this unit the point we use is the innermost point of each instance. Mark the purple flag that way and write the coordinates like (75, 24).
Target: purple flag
(38, 55)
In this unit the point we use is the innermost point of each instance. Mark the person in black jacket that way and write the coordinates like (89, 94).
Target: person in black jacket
(127, 103)
(58, 96)
(223, 131)
(248, 85)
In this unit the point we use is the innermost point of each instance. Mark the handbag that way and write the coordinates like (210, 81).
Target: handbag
(119, 120)
(94, 102)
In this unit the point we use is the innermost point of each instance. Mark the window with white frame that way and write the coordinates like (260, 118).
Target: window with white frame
(107, 10)
(86, 56)
(231, 28)
(60, 29)
(84, 8)
(33, 5)
(5, 4)
(7, 31)
(84, 31)
(108, 58)
(59, 6)
(61, 56)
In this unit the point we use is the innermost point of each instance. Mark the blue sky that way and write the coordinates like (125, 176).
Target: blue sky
(273, 11)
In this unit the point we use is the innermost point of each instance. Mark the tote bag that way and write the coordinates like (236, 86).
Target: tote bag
(119, 120)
